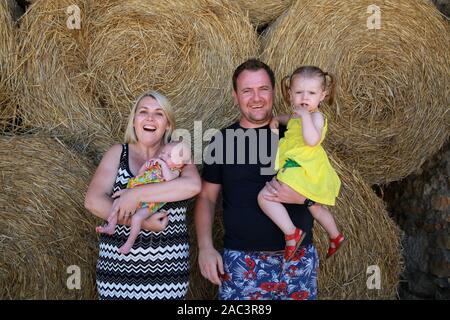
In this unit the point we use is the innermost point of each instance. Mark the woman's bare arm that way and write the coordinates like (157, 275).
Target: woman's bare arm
(186, 186)
(98, 197)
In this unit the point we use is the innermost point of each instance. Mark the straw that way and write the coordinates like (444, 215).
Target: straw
(392, 102)
(44, 228)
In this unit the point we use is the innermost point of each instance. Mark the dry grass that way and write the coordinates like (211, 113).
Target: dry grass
(8, 66)
(56, 91)
(185, 49)
(373, 239)
(263, 12)
(44, 227)
(392, 109)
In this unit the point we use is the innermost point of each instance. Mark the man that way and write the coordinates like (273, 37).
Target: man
(252, 266)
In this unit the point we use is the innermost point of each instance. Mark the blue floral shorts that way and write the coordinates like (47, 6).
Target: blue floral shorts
(266, 276)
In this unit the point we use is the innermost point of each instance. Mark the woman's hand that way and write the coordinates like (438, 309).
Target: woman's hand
(125, 204)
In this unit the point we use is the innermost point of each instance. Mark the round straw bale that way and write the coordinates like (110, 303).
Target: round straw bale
(373, 239)
(185, 49)
(392, 102)
(56, 90)
(373, 242)
(45, 232)
(263, 12)
(8, 65)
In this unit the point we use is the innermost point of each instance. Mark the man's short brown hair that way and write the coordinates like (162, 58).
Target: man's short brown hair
(253, 65)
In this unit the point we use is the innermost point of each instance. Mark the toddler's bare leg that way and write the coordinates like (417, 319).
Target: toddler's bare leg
(110, 226)
(325, 219)
(136, 225)
(277, 213)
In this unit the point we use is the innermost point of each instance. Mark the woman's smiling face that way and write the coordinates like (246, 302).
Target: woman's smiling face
(150, 121)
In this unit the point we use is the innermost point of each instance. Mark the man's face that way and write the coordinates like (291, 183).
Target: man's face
(254, 95)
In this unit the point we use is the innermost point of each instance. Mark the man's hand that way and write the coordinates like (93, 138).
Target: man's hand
(281, 192)
(210, 262)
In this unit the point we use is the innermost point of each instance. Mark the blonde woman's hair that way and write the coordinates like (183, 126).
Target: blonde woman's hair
(130, 135)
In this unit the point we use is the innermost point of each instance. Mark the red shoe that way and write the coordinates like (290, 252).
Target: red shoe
(298, 236)
(338, 242)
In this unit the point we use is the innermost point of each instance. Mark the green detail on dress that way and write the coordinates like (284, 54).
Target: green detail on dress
(290, 164)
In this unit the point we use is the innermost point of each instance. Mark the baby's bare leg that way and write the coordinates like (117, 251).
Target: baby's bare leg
(136, 225)
(110, 227)
(325, 219)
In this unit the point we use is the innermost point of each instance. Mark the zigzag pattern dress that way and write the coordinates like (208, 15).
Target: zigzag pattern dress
(157, 266)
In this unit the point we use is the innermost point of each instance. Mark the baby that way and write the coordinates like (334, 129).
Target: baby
(165, 167)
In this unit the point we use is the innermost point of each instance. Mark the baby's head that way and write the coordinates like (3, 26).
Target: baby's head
(308, 86)
(176, 154)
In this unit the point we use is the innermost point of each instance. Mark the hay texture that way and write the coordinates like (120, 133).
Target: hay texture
(187, 50)
(374, 239)
(393, 83)
(263, 12)
(8, 65)
(44, 227)
(56, 93)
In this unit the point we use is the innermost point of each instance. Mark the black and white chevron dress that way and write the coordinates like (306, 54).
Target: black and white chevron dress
(157, 267)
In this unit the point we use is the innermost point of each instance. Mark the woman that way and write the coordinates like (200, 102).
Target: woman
(158, 265)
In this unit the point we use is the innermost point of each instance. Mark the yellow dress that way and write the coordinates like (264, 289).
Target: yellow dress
(315, 178)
